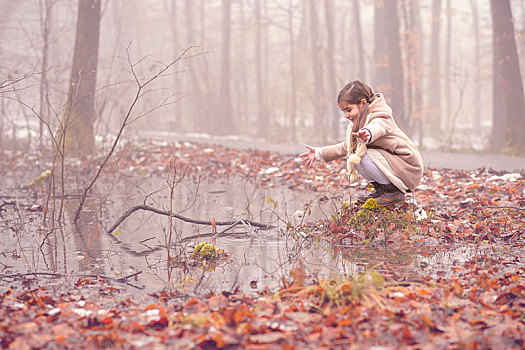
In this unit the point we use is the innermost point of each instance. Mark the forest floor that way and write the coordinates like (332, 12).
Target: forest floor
(477, 302)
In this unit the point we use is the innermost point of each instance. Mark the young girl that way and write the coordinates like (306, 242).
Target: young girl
(375, 146)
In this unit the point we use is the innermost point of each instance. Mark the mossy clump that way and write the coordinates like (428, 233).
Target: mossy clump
(371, 203)
(366, 221)
(205, 251)
(366, 215)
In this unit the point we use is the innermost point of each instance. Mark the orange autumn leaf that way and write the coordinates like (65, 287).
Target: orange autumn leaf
(427, 321)
(60, 338)
(423, 291)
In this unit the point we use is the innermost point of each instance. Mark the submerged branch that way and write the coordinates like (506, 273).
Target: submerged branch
(130, 211)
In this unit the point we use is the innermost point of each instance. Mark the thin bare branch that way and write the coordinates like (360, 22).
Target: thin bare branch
(130, 211)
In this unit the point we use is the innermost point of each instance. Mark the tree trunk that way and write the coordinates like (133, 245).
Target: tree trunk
(381, 81)
(409, 45)
(262, 117)
(266, 65)
(332, 102)
(80, 111)
(447, 110)
(45, 27)
(190, 82)
(175, 27)
(476, 120)
(293, 102)
(508, 128)
(224, 124)
(434, 76)
(395, 65)
(361, 74)
(318, 98)
(242, 84)
(417, 64)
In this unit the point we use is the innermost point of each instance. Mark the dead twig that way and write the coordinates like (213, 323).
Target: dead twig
(130, 211)
(503, 207)
(6, 204)
(228, 228)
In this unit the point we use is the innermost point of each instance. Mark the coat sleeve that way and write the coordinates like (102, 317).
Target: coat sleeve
(379, 126)
(333, 152)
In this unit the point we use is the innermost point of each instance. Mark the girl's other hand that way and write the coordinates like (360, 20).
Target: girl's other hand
(308, 157)
(362, 135)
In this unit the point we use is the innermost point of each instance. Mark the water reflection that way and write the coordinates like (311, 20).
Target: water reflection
(257, 259)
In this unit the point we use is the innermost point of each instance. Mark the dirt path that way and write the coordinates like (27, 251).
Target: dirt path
(434, 159)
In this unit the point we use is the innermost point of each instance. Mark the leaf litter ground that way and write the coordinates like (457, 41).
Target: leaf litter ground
(474, 302)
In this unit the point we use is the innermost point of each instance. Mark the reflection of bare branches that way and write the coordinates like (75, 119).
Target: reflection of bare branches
(123, 280)
(214, 235)
(200, 280)
(249, 198)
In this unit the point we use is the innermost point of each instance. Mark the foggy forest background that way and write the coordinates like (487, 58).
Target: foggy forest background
(265, 69)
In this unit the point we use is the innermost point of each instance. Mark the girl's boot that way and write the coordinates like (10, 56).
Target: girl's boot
(391, 194)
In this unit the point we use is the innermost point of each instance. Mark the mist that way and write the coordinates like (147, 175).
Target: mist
(265, 70)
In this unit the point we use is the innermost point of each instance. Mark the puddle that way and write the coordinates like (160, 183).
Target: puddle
(257, 259)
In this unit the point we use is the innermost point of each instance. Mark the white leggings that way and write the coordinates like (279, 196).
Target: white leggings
(370, 171)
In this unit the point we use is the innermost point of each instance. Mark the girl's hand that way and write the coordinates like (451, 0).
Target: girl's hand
(362, 135)
(308, 157)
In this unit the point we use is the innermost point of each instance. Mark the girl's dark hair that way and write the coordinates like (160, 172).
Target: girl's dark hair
(354, 92)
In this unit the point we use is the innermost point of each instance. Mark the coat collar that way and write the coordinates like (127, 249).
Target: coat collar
(379, 105)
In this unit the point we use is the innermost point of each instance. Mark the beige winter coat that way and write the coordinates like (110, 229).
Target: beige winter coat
(389, 148)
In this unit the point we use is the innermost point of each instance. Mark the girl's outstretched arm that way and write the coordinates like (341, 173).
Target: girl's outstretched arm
(308, 157)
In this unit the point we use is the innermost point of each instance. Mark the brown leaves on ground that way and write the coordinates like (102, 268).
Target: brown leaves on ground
(478, 304)
(477, 307)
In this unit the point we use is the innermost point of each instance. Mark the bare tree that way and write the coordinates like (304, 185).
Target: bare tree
(389, 70)
(226, 123)
(508, 100)
(434, 86)
(80, 114)
(262, 114)
(476, 120)
(319, 92)
(381, 81)
(395, 65)
(142, 84)
(417, 71)
(293, 79)
(447, 109)
(175, 29)
(330, 62)
(46, 7)
(413, 46)
(359, 40)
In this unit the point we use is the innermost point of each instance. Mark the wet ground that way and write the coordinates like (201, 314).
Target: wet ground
(254, 258)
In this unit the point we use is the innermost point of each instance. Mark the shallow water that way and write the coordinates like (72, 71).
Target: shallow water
(256, 259)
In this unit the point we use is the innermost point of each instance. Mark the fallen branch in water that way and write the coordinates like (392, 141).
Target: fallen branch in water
(130, 211)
